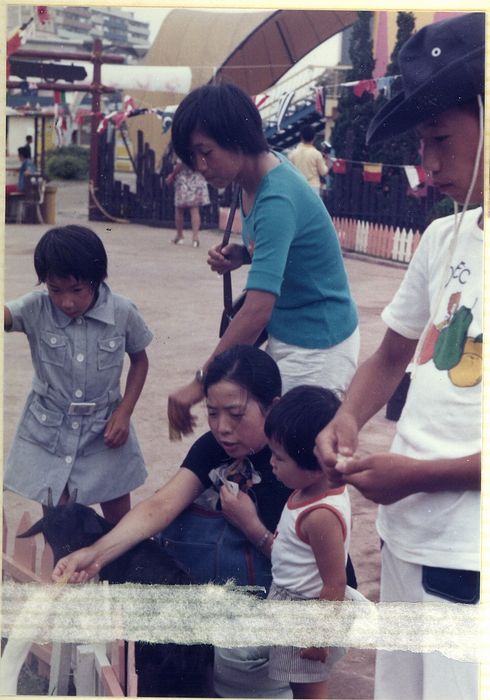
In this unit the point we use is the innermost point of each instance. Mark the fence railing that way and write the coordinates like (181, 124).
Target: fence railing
(99, 669)
(389, 202)
(386, 242)
(151, 202)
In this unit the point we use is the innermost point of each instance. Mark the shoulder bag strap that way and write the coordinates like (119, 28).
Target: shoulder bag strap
(227, 292)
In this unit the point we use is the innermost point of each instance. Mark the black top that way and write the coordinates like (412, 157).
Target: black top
(270, 495)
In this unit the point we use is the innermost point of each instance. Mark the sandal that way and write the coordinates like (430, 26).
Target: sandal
(178, 240)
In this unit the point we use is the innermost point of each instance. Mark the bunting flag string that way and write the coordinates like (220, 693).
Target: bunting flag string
(20, 35)
(372, 172)
(117, 118)
(359, 87)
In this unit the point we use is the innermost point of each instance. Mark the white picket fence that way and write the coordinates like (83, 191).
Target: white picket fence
(98, 669)
(377, 241)
(373, 240)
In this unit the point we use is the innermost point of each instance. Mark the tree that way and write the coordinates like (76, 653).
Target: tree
(354, 113)
(401, 149)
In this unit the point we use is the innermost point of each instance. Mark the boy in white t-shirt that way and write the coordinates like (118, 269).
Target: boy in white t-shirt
(428, 485)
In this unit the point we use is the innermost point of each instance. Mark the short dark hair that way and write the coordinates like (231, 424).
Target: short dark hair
(249, 367)
(307, 133)
(71, 251)
(24, 151)
(223, 112)
(28, 137)
(296, 419)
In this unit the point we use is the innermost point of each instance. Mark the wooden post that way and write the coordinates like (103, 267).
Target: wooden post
(59, 676)
(94, 137)
(85, 670)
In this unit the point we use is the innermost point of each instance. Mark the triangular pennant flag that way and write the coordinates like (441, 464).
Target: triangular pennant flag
(14, 42)
(364, 86)
(416, 175)
(372, 172)
(339, 166)
(43, 14)
(283, 107)
(319, 100)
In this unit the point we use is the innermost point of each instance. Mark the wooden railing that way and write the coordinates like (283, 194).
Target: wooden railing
(99, 669)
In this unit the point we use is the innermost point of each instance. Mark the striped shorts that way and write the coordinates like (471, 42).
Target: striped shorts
(286, 664)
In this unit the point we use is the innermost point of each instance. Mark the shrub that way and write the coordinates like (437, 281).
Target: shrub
(67, 163)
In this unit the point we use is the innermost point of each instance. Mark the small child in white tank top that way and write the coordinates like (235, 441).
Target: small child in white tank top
(311, 543)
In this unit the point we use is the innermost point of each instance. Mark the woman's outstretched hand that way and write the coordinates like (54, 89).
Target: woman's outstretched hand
(180, 402)
(78, 567)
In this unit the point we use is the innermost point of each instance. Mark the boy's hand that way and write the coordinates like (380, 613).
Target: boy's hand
(315, 653)
(117, 429)
(336, 442)
(383, 478)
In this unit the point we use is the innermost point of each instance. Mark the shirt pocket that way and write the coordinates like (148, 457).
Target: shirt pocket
(93, 437)
(53, 348)
(110, 352)
(41, 426)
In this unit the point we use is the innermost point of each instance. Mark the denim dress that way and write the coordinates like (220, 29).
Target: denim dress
(77, 365)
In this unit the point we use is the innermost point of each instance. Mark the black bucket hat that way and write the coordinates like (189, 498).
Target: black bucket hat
(441, 66)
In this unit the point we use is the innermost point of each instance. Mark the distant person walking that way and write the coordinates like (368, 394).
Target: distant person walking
(191, 192)
(308, 159)
(26, 168)
(28, 145)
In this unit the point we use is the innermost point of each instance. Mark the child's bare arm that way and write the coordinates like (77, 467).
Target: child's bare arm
(323, 531)
(7, 319)
(117, 428)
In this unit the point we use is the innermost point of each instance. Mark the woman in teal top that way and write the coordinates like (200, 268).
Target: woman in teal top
(297, 286)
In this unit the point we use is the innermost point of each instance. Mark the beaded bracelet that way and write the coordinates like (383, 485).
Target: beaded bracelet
(263, 539)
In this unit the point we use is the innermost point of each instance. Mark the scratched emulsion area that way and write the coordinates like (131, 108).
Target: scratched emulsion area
(230, 616)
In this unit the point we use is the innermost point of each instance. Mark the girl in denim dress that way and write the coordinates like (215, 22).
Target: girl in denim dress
(75, 433)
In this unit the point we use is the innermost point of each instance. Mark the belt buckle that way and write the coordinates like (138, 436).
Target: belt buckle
(82, 408)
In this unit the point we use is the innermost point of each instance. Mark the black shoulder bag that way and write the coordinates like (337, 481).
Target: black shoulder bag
(231, 306)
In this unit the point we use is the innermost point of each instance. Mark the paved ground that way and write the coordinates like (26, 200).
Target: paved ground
(181, 301)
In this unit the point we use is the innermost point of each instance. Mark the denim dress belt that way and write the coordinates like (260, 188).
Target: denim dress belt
(75, 408)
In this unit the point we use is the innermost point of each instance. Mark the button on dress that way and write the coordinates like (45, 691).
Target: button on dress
(75, 360)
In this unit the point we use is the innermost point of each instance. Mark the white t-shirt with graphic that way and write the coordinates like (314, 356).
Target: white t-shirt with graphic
(442, 415)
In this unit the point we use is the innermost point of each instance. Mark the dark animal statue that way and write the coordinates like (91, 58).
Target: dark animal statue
(164, 670)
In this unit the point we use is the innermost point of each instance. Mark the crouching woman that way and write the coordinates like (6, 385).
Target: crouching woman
(226, 471)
